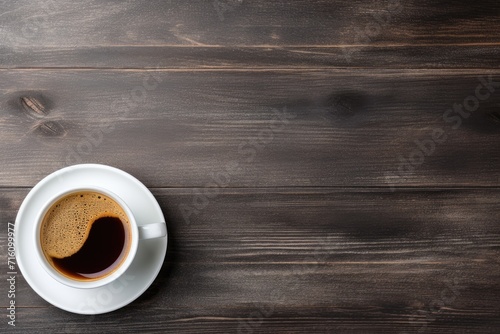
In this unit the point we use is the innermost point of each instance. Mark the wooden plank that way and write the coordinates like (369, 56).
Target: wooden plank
(172, 57)
(234, 22)
(247, 128)
(309, 259)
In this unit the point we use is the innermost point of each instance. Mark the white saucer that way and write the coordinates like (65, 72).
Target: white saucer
(141, 273)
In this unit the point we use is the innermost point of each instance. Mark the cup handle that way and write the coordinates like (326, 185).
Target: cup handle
(151, 231)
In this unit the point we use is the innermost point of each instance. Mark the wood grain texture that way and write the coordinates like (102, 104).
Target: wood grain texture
(234, 33)
(319, 22)
(308, 260)
(251, 57)
(260, 128)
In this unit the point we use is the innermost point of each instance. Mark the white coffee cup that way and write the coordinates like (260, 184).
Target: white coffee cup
(137, 234)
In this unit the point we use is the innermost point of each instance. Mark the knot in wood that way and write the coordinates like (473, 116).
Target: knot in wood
(33, 106)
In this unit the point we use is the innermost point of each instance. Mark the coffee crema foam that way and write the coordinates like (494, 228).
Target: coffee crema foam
(67, 225)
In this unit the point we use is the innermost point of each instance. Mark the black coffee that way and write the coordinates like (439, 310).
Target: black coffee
(99, 253)
(85, 235)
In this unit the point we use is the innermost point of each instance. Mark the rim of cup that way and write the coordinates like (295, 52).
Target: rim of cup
(134, 240)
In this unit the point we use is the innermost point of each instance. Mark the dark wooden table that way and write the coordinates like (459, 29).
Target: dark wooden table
(323, 166)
